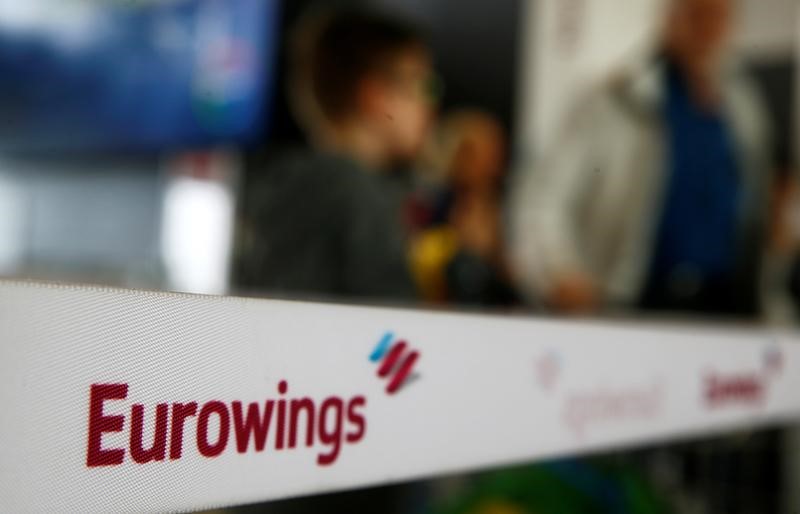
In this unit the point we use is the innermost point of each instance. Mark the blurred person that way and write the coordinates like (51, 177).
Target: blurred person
(326, 222)
(658, 195)
(459, 256)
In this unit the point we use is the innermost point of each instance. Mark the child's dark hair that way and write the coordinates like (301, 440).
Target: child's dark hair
(339, 48)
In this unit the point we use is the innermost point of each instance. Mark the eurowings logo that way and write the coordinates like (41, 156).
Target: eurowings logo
(773, 360)
(745, 387)
(548, 370)
(394, 360)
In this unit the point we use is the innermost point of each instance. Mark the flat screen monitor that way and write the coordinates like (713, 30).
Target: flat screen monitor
(134, 75)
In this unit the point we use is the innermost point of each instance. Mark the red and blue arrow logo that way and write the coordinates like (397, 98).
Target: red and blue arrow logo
(396, 361)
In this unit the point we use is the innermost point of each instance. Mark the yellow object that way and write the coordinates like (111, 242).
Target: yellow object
(431, 253)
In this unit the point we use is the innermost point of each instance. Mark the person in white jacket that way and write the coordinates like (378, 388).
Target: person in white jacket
(657, 194)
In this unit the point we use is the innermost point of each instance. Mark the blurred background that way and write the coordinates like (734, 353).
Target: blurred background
(630, 158)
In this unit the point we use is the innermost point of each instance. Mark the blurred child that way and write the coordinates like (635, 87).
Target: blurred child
(459, 256)
(325, 222)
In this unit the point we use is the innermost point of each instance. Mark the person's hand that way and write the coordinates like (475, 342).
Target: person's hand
(478, 230)
(574, 294)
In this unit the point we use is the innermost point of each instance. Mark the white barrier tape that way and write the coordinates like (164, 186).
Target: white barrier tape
(122, 400)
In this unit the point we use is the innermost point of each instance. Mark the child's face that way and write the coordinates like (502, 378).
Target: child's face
(405, 109)
(478, 161)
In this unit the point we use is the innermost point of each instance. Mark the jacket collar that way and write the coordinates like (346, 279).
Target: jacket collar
(644, 87)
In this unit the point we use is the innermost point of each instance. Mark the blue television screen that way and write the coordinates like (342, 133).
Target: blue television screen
(146, 74)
